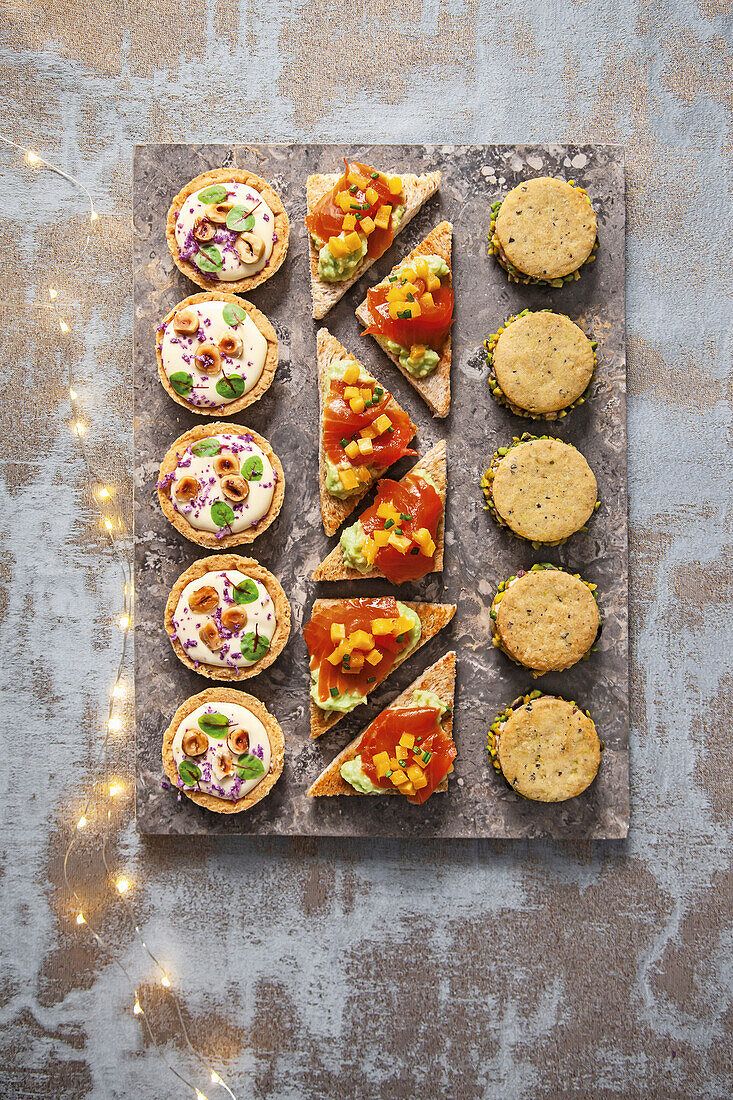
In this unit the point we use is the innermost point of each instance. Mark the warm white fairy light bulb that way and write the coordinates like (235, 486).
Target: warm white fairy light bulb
(124, 621)
(32, 158)
(80, 918)
(108, 525)
(82, 822)
(72, 395)
(215, 1078)
(53, 293)
(122, 884)
(118, 691)
(165, 981)
(104, 493)
(137, 1009)
(115, 789)
(63, 326)
(93, 216)
(115, 724)
(80, 427)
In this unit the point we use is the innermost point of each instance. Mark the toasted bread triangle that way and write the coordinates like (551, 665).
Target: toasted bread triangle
(434, 464)
(434, 388)
(416, 190)
(433, 617)
(440, 678)
(333, 510)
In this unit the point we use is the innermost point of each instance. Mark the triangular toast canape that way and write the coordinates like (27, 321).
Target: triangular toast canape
(333, 510)
(434, 388)
(416, 190)
(434, 464)
(439, 678)
(433, 617)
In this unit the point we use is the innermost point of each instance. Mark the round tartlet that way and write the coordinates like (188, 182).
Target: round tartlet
(545, 619)
(280, 229)
(541, 489)
(541, 364)
(167, 476)
(226, 406)
(544, 231)
(217, 564)
(546, 748)
(211, 698)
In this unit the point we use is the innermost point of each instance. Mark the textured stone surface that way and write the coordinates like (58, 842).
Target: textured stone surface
(542, 969)
(479, 554)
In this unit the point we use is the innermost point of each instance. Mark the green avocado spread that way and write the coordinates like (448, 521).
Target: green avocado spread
(345, 701)
(336, 370)
(352, 772)
(332, 269)
(352, 547)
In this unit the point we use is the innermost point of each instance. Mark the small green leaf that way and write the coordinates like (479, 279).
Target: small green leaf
(254, 647)
(208, 258)
(214, 725)
(233, 315)
(253, 468)
(240, 220)
(206, 448)
(221, 514)
(216, 193)
(245, 592)
(249, 766)
(182, 382)
(189, 772)
(231, 386)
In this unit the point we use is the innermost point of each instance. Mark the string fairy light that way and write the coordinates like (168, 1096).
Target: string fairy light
(111, 521)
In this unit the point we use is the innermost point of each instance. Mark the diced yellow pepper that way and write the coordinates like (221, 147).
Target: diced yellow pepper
(383, 627)
(426, 301)
(354, 664)
(416, 762)
(352, 449)
(408, 274)
(382, 423)
(338, 633)
(349, 222)
(365, 446)
(398, 777)
(361, 639)
(381, 538)
(422, 270)
(366, 392)
(410, 288)
(400, 542)
(387, 510)
(401, 625)
(348, 478)
(367, 226)
(407, 740)
(424, 540)
(337, 656)
(420, 783)
(395, 185)
(357, 404)
(351, 374)
(356, 177)
(415, 775)
(343, 199)
(433, 283)
(381, 764)
(407, 788)
(368, 433)
(363, 476)
(371, 196)
(375, 657)
(381, 218)
(396, 294)
(352, 241)
(369, 550)
(404, 310)
(337, 247)
(350, 392)
(396, 308)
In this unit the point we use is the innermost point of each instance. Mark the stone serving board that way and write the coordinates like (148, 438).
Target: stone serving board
(478, 554)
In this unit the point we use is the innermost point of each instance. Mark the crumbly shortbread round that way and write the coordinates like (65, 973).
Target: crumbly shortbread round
(170, 463)
(218, 563)
(281, 229)
(543, 362)
(544, 490)
(548, 749)
(547, 620)
(274, 734)
(261, 385)
(546, 228)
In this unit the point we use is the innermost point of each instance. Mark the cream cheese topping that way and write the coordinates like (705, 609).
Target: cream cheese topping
(207, 773)
(210, 509)
(242, 646)
(178, 354)
(233, 267)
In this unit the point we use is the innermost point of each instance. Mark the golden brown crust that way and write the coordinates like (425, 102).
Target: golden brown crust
(546, 228)
(549, 750)
(433, 617)
(217, 563)
(274, 732)
(282, 228)
(544, 490)
(268, 370)
(333, 510)
(547, 620)
(543, 362)
(416, 190)
(434, 388)
(434, 464)
(439, 678)
(207, 538)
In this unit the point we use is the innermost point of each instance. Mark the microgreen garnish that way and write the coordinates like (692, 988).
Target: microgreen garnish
(206, 448)
(254, 646)
(221, 514)
(216, 193)
(214, 725)
(245, 592)
(249, 766)
(209, 258)
(189, 772)
(231, 386)
(253, 468)
(233, 315)
(182, 382)
(240, 220)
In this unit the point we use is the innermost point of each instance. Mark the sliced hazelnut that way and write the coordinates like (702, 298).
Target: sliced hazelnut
(249, 246)
(223, 764)
(238, 740)
(234, 487)
(186, 488)
(226, 464)
(204, 600)
(203, 229)
(231, 344)
(217, 211)
(194, 743)
(234, 618)
(210, 636)
(208, 359)
(186, 322)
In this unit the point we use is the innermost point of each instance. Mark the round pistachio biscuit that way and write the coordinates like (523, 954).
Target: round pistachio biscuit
(547, 749)
(546, 228)
(546, 620)
(542, 363)
(543, 490)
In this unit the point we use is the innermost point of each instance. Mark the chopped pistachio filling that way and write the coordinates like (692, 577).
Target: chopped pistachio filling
(503, 717)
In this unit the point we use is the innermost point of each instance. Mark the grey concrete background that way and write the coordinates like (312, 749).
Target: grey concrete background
(541, 969)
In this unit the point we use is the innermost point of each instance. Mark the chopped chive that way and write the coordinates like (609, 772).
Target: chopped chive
(418, 740)
(388, 523)
(378, 391)
(415, 550)
(344, 442)
(371, 679)
(353, 189)
(390, 430)
(410, 297)
(400, 638)
(334, 693)
(374, 175)
(404, 517)
(387, 774)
